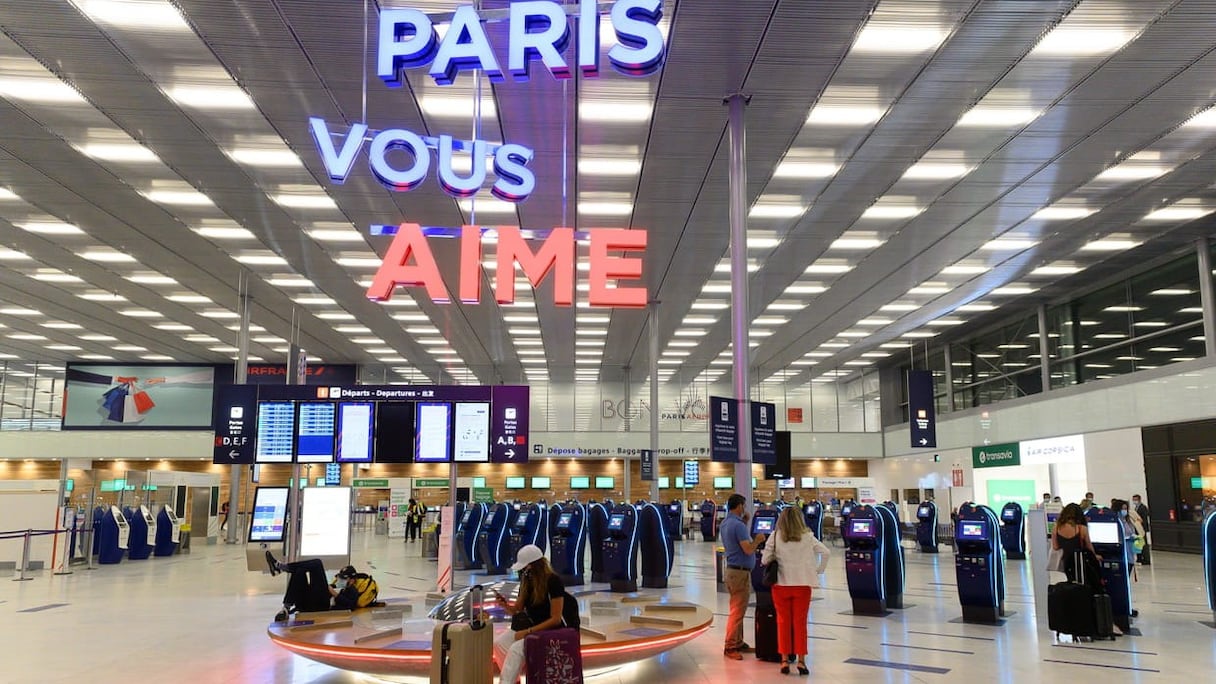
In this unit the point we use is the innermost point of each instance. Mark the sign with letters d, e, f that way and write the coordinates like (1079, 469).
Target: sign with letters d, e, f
(723, 430)
(922, 424)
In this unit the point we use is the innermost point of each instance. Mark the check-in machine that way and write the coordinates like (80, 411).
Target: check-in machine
(812, 514)
(893, 556)
(673, 516)
(143, 533)
(1209, 560)
(979, 565)
(621, 549)
(568, 545)
(656, 544)
(114, 536)
(492, 545)
(894, 508)
(926, 527)
(1107, 535)
(468, 530)
(764, 521)
(597, 534)
(864, 533)
(551, 516)
(709, 529)
(1013, 531)
(527, 527)
(168, 532)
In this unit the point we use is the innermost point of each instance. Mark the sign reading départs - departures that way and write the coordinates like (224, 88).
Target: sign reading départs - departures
(538, 30)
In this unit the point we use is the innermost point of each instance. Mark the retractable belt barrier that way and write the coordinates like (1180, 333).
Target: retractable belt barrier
(25, 551)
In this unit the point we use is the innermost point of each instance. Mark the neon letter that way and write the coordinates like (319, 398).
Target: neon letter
(515, 180)
(399, 139)
(395, 269)
(589, 38)
(639, 51)
(557, 255)
(605, 268)
(337, 164)
(538, 29)
(470, 264)
(465, 46)
(453, 184)
(394, 54)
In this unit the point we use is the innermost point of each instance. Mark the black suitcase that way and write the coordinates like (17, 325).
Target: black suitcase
(1075, 608)
(766, 631)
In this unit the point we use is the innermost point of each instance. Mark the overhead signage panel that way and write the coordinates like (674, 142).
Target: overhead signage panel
(723, 430)
(234, 419)
(509, 424)
(764, 433)
(922, 409)
(996, 455)
(648, 467)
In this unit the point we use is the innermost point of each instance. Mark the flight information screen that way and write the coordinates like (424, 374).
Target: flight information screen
(472, 432)
(315, 432)
(355, 422)
(433, 440)
(276, 431)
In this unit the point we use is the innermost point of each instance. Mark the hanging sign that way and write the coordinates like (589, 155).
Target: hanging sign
(723, 429)
(648, 474)
(921, 409)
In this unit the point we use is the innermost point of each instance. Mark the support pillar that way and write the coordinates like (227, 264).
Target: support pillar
(740, 315)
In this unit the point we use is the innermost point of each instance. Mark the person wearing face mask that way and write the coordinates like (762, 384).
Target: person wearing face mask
(740, 548)
(1142, 512)
(542, 604)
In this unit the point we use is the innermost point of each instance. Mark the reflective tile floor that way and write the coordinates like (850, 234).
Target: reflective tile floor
(202, 617)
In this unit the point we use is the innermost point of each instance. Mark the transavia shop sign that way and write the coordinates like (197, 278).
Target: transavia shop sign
(996, 455)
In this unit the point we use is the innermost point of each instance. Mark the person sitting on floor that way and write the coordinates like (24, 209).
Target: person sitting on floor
(308, 591)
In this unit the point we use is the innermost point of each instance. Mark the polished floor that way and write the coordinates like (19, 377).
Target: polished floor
(202, 617)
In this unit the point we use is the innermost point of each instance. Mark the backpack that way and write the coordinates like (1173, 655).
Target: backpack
(360, 592)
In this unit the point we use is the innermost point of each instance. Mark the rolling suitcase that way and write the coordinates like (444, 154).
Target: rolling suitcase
(1076, 608)
(553, 656)
(463, 652)
(766, 630)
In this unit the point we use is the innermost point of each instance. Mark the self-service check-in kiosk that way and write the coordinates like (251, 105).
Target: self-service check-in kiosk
(1209, 561)
(764, 521)
(979, 564)
(893, 507)
(527, 527)
(621, 549)
(1013, 531)
(657, 546)
(597, 534)
(926, 527)
(864, 534)
(468, 529)
(568, 545)
(143, 533)
(114, 535)
(492, 546)
(673, 515)
(709, 530)
(812, 514)
(892, 556)
(1107, 536)
(168, 532)
(551, 516)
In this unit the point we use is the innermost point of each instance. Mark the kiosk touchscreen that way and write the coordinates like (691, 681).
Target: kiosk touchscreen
(568, 544)
(528, 526)
(656, 545)
(616, 522)
(865, 560)
(765, 525)
(812, 514)
(563, 521)
(979, 564)
(1013, 531)
(621, 549)
(1107, 535)
(926, 527)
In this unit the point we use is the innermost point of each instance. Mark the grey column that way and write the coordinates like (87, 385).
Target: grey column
(1207, 296)
(1044, 350)
(626, 492)
(740, 316)
(237, 472)
(949, 377)
(294, 492)
(654, 398)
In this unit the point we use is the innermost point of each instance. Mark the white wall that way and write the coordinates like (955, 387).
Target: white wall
(921, 472)
(1114, 463)
(29, 505)
(94, 444)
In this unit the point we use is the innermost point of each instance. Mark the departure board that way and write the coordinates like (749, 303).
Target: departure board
(355, 422)
(276, 431)
(433, 425)
(472, 434)
(315, 432)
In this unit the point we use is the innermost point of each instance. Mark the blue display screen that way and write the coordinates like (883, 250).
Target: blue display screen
(563, 521)
(863, 529)
(971, 530)
(617, 521)
(764, 525)
(315, 432)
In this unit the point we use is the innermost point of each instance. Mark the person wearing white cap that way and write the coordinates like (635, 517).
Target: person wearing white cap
(542, 604)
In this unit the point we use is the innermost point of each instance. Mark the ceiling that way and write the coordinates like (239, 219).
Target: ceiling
(912, 166)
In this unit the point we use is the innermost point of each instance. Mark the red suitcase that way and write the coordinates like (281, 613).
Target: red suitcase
(553, 656)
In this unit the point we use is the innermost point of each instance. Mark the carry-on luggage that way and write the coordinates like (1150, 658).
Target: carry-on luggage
(553, 656)
(463, 652)
(766, 630)
(1076, 608)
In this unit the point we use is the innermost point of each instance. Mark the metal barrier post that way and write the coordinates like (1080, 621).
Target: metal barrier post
(25, 559)
(63, 568)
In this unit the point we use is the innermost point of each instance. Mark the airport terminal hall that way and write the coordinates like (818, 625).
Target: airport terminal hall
(608, 341)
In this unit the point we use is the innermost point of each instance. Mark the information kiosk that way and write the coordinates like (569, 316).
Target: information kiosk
(892, 555)
(1209, 561)
(168, 532)
(492, 546)
(656, 544)
(568, 546)
(674, 519)
(1013, 531)
(528, 527)
(763, 522)
(113, 537)
(143, 533)
(709, 530)
(812, 513)
(468, 530)
(621, 549)
(1106, 534)
(864, 534)
(979, 565)
(926, 527)
(597, 534)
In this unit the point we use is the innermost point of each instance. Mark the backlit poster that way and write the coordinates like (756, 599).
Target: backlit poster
(325, 522)
(102, 396)
(355, 422)
(472, 433)
(433, 440)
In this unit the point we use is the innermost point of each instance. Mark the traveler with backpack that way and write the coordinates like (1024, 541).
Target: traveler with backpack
(307, 590)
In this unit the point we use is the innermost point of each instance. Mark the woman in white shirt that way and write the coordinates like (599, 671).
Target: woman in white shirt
(794, 548)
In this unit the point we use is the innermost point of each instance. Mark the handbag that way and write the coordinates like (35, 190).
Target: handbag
(521, 621)
(771, 573)
(1055, 560)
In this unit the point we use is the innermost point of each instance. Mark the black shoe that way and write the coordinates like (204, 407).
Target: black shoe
(785, 669)
(274, 564)
(744, 648)
(802, 670)
(1135, 613)
(281, 616)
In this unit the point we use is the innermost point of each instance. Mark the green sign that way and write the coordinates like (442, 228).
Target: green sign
(479, 482)
(370, 484)
(1001, 492)
(69, 484)
(996, 455)
(483, 495)
(423, 483)
(1196, 483)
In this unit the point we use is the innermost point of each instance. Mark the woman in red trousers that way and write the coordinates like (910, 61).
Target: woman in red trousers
(794, 548)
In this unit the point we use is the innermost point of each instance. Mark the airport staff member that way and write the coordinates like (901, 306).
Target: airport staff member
(740, 558)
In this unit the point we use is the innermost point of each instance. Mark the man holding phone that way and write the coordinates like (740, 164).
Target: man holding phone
(740, 558)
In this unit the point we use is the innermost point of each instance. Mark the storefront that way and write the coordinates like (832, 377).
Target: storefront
(1180, 467)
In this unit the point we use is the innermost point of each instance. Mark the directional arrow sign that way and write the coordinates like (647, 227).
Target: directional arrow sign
(922, 423)
(510, 453)
(923, 441)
